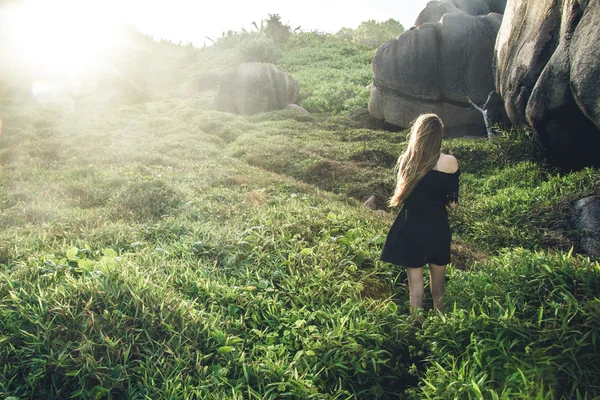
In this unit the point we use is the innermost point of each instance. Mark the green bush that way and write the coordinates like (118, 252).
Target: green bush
(260, 50)
(333, 75)
(277, 30)
(371, 33)
(206, 80)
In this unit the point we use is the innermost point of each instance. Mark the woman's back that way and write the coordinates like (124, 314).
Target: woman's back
(434, 191)
(421, 232)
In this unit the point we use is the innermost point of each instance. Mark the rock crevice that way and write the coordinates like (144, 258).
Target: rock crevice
(547, 70)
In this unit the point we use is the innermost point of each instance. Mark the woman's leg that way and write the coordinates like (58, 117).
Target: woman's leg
(415, 287)
(437, 284)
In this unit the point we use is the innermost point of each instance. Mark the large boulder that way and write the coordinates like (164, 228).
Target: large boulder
(433, 68)
(435, 10)
(547, 69)
(253, 88)
(497, 6)
(471, 7)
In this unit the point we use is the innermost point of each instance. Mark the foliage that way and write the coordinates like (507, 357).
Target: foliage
(333, 75)
(346, 34)
(371, 33)
(523, 326)
(277, 30)
(506, 201)
(166, 250)
(231, 38)
(260, 50)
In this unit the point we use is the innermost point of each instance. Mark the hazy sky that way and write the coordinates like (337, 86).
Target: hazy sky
(190, 21)
(63, 36)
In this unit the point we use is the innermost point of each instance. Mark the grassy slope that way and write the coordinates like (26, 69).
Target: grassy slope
(163, 250)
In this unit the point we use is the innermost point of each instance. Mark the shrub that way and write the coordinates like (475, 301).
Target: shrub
(371, 33)
(204, 80)
(276, 30)
(260, 50)
(336, 96)
(333, 75)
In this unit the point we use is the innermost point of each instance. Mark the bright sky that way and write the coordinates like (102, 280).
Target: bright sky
(63, 37)
(191, 21)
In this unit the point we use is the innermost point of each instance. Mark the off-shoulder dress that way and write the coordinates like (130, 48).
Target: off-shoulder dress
(421, 232)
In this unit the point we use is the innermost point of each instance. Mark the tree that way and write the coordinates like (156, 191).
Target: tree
(373, 34)
(346, 34)
(276, 30)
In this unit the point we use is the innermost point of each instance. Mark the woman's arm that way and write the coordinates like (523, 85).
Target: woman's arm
(448, 164)
(452, 200)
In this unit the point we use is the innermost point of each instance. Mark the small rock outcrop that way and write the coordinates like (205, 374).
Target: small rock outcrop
(253, 88)
(295, 107)
(371, 203)
(585, 218)
(547, 69)
(434, 67)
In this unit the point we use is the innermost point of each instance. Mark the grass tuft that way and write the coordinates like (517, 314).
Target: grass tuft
(147, 200)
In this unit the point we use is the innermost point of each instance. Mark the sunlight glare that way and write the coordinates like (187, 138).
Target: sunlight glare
(60, 38)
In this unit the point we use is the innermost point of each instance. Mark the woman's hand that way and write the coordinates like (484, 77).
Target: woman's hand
(452, 200)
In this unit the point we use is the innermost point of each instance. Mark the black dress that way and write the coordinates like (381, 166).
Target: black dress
(421, 233)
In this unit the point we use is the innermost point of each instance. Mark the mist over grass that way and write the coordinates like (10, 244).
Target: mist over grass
(160, 249)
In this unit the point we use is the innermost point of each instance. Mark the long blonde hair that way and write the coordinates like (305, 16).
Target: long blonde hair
(420, 157)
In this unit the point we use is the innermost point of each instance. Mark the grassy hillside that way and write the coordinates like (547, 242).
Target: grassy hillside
(164, 250)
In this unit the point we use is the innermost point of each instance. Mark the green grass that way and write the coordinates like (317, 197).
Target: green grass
(333, 74)
(523, 326)
(165, 250)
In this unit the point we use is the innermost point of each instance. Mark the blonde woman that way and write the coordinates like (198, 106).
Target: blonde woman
(427, 183)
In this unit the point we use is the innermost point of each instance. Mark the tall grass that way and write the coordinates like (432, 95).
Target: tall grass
(165, 250)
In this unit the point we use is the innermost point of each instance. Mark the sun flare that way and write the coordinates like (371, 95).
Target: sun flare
(58, 38)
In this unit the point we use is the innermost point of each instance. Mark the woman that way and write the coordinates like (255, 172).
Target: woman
(427, 182)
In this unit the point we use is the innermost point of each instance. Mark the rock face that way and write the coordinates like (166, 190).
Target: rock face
(371, 203)
(586, 219)
(471, 7)
(547, 70)
(497, 6)
(252, 88)
(434, 67)
(435, 10)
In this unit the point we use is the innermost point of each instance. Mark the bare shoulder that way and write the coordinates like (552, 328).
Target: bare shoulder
(447, 163)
